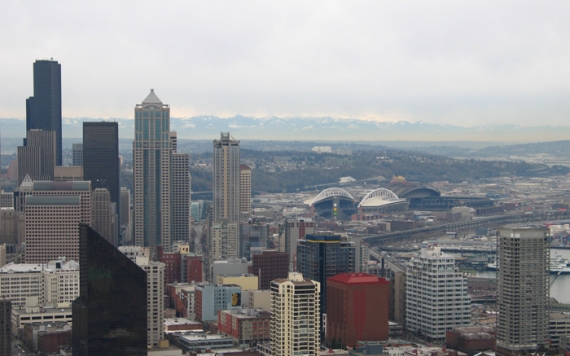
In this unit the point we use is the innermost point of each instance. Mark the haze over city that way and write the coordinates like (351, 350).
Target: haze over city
(459, 63)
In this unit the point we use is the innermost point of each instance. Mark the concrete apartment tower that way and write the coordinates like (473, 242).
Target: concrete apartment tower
(155, 303)
(295, 316)
(152, 159)
(523, 289)
(226, 178)
(180, 193)
(435, 304)
(244, 192)
(43, 110)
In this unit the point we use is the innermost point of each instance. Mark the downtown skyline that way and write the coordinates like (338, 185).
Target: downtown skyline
(465, 64)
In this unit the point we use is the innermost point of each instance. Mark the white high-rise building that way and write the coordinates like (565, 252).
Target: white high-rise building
(523, 289)
(436, 294)
(155, 294)
(295, 306)
(152, 159)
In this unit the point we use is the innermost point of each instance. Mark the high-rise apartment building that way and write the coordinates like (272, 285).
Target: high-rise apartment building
(180, 197)
(38, 156)
(322, 256)
(295, 316)
(110, 315)
(155, 294)
(43, 110)
(244, 192)
(523, 289)
(102, 215)
(226, 186)
(296, 229)
(77, 154)
(224, 240)
(152, 159)
(101, 157)
(436, 294)
(357, 308)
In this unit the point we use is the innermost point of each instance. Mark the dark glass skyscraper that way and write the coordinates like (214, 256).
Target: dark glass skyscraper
(110, 315)
(322, 256)
(43, 110)
(101, 157)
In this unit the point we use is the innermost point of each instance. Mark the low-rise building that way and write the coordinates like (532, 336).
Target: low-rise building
(246, 326)
(212, 298)
(471, 339)
(558, 326)
(52, 283)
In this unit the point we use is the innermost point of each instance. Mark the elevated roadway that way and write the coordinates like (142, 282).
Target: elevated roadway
(491, 221)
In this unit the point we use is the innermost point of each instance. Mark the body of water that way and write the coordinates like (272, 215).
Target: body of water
(561, 287)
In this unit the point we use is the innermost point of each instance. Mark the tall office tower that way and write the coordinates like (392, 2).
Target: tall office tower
(295, 316)
(173, 137)
(110, 315)
(357, 308)
(43, 110)
(226, 178)
(523, 289)
(37, 157)
(180, 197)
(152, 158)
(125, 206)
(244, 192)
(296, 229)
(155, 304)
(5, 327)
(436, 294)
(51, 228)
(101, 157)
(252, 235)
(322, 256)
(269, 265)
(77, 150)
(52, 214)
(101, 214)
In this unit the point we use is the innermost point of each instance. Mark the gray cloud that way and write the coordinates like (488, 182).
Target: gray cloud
(461, 62)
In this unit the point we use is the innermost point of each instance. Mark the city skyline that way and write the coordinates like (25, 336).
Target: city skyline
(376, 61)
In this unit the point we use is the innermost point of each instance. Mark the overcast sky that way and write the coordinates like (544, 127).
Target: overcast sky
(455, 62)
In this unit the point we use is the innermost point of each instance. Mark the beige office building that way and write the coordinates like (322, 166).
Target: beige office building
(244, 192)
(155, 294)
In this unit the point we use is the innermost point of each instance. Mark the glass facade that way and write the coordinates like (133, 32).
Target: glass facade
(43, 110)
(110, 315)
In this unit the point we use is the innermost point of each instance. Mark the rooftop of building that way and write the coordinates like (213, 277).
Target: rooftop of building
(52, 200)
(357, 278)
(180, 321)
(151, 98)
(59, 265)
(62, 186)
(248, 313)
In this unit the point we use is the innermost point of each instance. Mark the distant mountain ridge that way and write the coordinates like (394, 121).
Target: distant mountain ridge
(317, 129)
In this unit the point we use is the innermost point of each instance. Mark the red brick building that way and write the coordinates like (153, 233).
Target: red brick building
(180, 267)
(357, 308)
(245, 326)
(269, 265)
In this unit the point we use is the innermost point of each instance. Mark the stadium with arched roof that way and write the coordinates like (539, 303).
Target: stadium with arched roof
(333, 203)
(382, 200)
